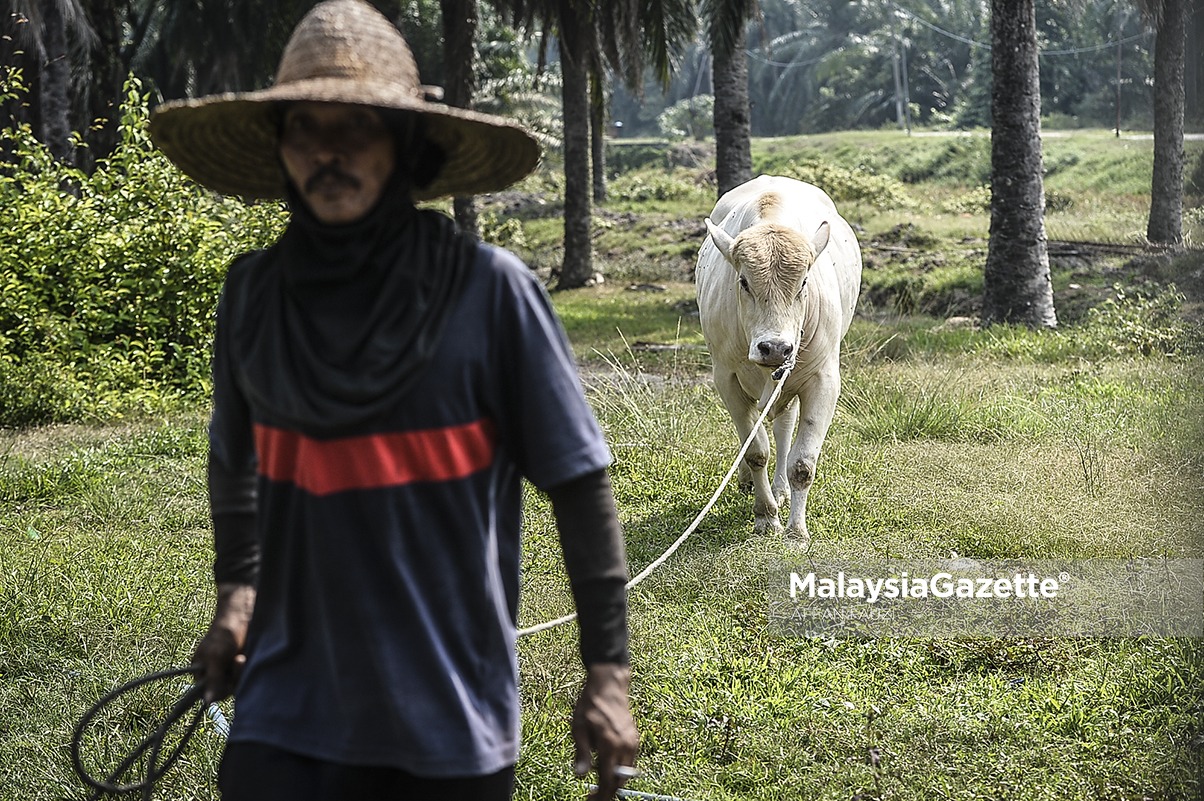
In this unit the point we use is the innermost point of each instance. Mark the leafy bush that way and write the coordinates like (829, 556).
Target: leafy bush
(1134, 322)
(693, 118)
(857, 184)
(108, 281)
(643, 187)
(1143, 322)
(506, 233)
(975, 201)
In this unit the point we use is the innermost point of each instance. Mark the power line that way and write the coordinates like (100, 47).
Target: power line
(941, 31)
(974, 43)
(1095, 48)
(757, 57)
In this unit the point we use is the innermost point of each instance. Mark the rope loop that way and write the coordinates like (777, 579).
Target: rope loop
(151, 745)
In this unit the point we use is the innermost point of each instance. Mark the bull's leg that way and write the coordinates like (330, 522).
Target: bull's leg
(783, 438)
(817, 406)
(743, 411)
(744, 476)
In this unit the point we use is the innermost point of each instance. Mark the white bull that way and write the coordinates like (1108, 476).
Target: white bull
(778, 278)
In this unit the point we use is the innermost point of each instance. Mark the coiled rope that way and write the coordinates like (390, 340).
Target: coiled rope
(151, 745)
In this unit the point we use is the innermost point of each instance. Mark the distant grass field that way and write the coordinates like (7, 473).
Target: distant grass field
(1003, 443)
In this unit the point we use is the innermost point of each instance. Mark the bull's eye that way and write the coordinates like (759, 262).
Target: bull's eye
(744, 285)
(801, 288)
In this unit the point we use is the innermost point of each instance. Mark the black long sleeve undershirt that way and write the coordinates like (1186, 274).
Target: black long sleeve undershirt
(595, 559)
(232, 504)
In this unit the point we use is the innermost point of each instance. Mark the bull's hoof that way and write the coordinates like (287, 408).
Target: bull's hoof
(798, 539)
(767, 525)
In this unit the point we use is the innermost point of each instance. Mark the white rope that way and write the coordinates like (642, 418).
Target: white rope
(780, 377)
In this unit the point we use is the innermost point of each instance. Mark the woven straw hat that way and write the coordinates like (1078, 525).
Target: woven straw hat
(343, 51)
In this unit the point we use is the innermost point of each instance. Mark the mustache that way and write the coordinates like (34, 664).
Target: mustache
(330, 172)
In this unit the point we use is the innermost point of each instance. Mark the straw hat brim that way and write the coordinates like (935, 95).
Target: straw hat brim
(230, 144)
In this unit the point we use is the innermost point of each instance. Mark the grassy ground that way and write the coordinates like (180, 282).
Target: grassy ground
(994, 444)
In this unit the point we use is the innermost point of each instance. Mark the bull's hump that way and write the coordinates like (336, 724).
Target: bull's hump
(768, 205)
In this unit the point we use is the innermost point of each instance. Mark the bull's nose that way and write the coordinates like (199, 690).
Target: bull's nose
(773, 352)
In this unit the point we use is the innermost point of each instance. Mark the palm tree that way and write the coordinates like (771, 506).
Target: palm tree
(1169, 18)
(460, 21)
(55, 33)
(597, 139)
(576, 35)
(590, 32)
(725, 20)
(655, 33)
(1017, 280)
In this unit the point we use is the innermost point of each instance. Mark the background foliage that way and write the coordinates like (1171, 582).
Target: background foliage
(814, 65)
(108, 281)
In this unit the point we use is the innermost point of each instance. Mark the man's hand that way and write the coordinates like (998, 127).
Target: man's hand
(218, 657)
(602, 725)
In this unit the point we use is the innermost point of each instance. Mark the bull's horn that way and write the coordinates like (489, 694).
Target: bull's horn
(819, 240)
(722, 239)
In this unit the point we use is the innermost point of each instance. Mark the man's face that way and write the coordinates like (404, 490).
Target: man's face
(339, 157)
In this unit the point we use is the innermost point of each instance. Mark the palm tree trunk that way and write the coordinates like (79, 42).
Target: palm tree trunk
(1166, 197)
(733, 149)
(18, 48)
(1193, 80)
(597, 140)
(1017, 280)
(55, 82)
(459, 57)
(578, 266)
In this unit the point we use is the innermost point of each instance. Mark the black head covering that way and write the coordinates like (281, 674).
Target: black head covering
(345, 317)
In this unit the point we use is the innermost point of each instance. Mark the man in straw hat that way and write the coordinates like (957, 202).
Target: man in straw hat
(381, 386)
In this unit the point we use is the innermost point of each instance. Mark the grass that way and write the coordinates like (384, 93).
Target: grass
(105, 576)
(1002, 443)
(992, 468)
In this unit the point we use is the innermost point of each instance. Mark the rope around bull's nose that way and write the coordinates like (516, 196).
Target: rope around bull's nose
(780, 375)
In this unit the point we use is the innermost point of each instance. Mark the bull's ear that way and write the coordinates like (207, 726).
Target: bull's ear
(819, 240)
(722, 239)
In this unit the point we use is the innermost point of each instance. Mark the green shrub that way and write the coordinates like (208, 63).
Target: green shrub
(975, 201)
(643, 187)
(506, 233)
(1144, 322)
(1134, 322)
(692, 118)
(858, 184)
(108, 281)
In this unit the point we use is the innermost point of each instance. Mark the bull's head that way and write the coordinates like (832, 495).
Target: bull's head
(771, 263)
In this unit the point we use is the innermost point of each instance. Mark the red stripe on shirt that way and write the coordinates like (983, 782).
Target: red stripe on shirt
(375, 461)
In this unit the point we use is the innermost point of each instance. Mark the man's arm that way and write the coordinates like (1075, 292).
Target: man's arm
(596, 562)
(219, 655)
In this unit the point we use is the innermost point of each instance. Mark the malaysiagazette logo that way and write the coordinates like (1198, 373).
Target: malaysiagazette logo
(871, 590)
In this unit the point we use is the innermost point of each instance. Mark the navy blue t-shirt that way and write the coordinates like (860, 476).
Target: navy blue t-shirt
(386, 610)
